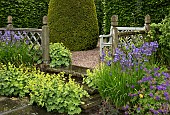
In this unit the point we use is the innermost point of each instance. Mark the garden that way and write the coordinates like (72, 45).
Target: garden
(135, 80)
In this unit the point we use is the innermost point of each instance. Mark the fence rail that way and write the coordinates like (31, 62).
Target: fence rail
(122, 33)
(36, 37)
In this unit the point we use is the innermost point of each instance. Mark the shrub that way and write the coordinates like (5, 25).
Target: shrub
(52, 92)
(17, 50)
(161, 33)
(60, 55)
(74, 23)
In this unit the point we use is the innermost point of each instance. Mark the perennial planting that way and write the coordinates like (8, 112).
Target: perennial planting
(130, 81)
(16, 49)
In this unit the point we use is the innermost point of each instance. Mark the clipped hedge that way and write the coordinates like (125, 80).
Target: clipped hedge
(25, 13)
(131, 12)
(74, 23)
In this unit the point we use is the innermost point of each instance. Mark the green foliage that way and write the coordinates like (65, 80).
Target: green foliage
(55, 92)
(52, 92)
(25, 13)
(18, 53)
(153, 95)
(161, 32)
(112, 83)
(13, 80)
(100, 14)
(131, 12)
(60, 55)
(115, 80)
(74, 23)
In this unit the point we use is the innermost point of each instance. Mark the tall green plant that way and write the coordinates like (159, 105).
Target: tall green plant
(161, 33)
(115, 80)
(18, 52)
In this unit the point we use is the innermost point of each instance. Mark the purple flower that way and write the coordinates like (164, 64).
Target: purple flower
(157, 74)
(147, 79)
(155, 112)
(156, 69)
(151, 94)
(138, 109)
(160, 87)
(109, 63)
(125, 107)
(152, 87)
(157, 98)
(116, 58)
(166, 75)
(167, 98)
(160, 111)
(17, 37)
(166, 94)
(132, 86)
(27, 41)
(109, 53)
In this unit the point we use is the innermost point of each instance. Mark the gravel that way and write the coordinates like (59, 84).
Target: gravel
(89, 58)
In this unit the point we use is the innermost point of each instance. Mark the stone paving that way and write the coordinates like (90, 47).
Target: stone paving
(16, 106)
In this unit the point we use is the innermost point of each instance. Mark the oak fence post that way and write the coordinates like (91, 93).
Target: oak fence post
(45, 41)
(9, 26)
(114, 23)
(147, 22)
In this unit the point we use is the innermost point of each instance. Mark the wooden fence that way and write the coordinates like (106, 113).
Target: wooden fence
(36, 37)
(125, 33)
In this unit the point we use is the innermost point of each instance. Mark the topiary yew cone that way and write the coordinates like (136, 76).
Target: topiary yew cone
(74, 23)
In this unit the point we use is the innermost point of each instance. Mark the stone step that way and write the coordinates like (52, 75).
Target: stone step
(16, 106)
(91, 102)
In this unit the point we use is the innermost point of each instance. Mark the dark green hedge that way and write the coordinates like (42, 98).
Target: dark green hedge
(132, 12)
(25, 13)
(74, 23)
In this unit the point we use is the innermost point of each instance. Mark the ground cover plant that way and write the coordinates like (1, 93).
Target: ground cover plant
(14, 80)
(19, 79)
(50, 91)
(153, 96)
(60, 56)
(119, 80)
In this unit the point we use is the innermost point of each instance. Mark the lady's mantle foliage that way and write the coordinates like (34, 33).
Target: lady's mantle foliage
(54, 92)
(60, 56)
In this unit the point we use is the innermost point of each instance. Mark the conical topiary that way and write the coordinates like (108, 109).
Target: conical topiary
(74, 23)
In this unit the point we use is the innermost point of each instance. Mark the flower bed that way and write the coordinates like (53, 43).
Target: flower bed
(131, 81)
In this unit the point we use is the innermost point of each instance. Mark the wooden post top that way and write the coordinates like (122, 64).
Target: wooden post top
(45, 20)
(114, 20)
(9, 19)
(147, 19)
